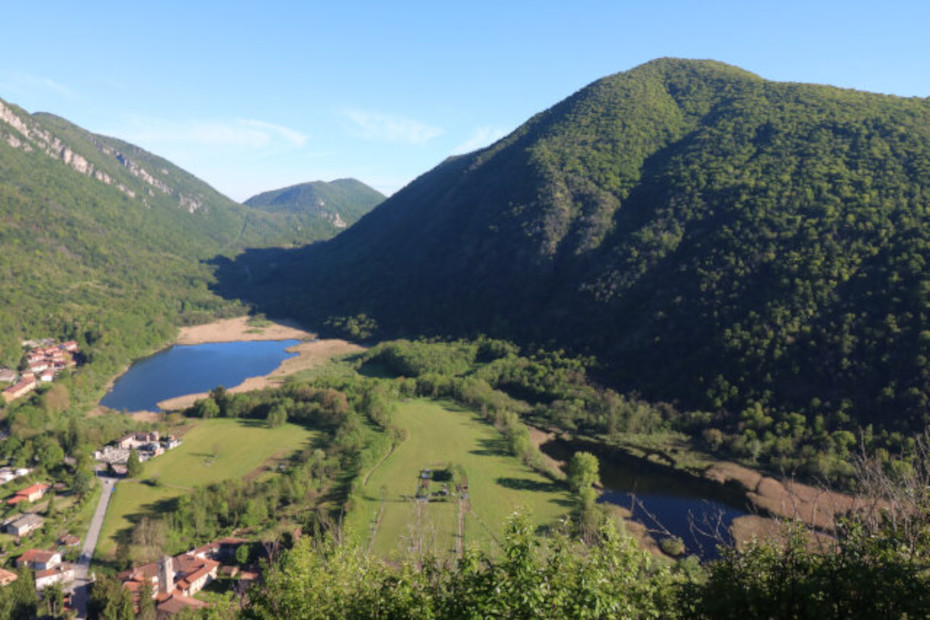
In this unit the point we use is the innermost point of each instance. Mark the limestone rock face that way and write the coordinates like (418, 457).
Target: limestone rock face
(27, 133)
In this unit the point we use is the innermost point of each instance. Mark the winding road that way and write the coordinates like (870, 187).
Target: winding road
(81, 580)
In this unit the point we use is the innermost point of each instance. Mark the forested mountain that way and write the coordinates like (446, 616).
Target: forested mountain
(104, 242)
(727, 242)
(328, 206)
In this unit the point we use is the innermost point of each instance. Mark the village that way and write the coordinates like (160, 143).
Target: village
(43, 360)
(171, 581)
(22, 521)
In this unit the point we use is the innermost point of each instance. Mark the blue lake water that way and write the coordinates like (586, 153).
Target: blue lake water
(188, 369)
(668, 503)
(700, 523)
(672, 504)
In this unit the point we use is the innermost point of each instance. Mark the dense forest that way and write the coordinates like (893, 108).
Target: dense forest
(729, 244)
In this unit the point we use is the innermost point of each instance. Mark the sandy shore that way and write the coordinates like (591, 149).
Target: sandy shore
(311, 352)
(787, 499)
(230, 330)
(309, 355)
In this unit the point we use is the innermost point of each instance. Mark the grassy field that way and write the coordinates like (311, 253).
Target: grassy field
(213, 450)
(387, 520)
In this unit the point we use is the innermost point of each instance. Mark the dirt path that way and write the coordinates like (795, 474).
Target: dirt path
(380, 463)
(460, 539)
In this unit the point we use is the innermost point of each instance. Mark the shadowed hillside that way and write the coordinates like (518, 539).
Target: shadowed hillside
(714, 237)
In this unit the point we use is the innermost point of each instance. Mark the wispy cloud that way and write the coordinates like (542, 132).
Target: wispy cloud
(388, 128)
(294, 137)
(244, 133)
(481, 137)
(21, 84)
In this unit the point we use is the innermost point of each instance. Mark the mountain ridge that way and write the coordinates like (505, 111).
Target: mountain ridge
(702, 230)
(106, 243)
(340, 202)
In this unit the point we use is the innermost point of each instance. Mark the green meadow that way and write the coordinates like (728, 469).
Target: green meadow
(212, 451)
(388, 520)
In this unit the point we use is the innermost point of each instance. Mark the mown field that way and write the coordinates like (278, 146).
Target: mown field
(388, 521)
(213, 450)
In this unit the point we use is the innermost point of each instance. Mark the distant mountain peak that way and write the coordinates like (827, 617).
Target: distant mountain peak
(340, 203)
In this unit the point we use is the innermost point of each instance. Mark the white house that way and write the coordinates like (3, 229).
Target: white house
(63, 574)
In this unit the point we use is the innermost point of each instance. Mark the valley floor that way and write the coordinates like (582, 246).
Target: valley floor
(488, 485)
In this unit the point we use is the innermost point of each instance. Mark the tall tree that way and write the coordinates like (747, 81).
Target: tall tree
(133, 465)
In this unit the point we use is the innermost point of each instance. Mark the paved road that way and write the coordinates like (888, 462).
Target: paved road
(81, 582)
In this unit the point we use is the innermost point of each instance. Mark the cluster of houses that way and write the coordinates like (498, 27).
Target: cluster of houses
(49, 568)
(172, 581)
(175, 580)
(24, 524)
(147, 445)
(44, 360)
(48, 565)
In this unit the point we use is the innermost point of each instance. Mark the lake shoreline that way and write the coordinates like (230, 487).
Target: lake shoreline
(239, 329)
(310, 352)
(309, 355)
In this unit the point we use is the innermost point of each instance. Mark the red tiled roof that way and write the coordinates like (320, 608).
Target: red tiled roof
(61, 568)
(203, 549)
(36, 488)
(140, 573)
(178, 603)
(37, 556)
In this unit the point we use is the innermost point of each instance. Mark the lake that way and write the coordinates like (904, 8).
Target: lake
(189, 369)
(668, 502)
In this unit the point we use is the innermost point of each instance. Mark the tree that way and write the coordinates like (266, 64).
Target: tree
(583, 471)
(48, 451)
(146, 602)
(207, 408)
(133, 465)
(53, 600)
(23, 593)
(83, 482)
(149, 537)
(221, 396)
(109, 599)
(277, 416)
(242, 553)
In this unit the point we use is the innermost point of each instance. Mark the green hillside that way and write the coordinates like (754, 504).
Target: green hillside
(716, 239)
(108, 244)
(329, 207)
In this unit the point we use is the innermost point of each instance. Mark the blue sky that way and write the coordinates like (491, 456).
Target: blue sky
(260, 95)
